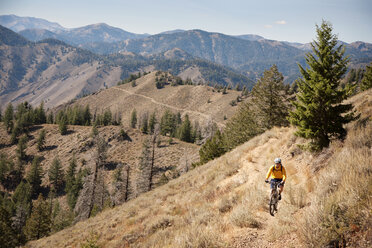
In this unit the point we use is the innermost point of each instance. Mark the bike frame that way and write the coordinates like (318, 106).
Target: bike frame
(274, 198)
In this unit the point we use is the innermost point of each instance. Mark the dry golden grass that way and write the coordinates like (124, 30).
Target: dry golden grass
(145, 97)
(224, 202)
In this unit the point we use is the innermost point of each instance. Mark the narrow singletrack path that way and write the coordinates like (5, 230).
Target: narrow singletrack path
(164, 104)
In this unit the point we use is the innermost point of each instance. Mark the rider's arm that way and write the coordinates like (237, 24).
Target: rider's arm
(284, 175)
(269, 172)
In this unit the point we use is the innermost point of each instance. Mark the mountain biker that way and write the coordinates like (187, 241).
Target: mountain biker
(278, 174)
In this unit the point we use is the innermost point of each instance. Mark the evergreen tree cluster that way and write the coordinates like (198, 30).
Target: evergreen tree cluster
(132, 77)
(174, 126)
(26, 214)
(19, 121)
(268, 107)
(171, 125)
(165, 78)
(76, 115)
(79, 115)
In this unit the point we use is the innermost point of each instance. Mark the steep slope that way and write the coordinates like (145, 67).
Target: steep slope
(50, 71)
(201, 103)
(224, 203)
(78, 143)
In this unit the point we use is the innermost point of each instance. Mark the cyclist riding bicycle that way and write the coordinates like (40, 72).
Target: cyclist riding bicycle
(278, 174)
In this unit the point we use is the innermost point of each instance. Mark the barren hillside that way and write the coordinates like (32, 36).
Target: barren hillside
(224, 202)
(201, 103)
(52, 73)
(78, 142)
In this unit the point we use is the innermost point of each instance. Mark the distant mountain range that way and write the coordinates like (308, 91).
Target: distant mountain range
(47, 52)
(17, 23)
(55, 72)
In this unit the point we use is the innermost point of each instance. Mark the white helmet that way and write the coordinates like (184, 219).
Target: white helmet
(277, 161)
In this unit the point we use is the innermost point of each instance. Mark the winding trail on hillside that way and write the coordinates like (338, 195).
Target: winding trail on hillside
(164, 104)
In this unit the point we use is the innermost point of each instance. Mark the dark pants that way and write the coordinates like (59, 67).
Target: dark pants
(273, 181)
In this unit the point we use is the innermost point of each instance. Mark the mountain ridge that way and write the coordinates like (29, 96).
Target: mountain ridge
(55, 72)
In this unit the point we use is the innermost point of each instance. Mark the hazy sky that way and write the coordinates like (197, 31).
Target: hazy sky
(289, 20)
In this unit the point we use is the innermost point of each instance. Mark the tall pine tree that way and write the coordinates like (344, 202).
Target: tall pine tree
(56, 175)
(367, 78)
(39, 223)
(133, 119)
(34, 177)
(270, 99)
(319, 114)
(8, 118)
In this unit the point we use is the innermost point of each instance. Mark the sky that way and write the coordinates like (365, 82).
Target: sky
(283, 20)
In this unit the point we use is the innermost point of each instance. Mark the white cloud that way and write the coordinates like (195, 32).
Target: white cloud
(282, 22)
(268, 26)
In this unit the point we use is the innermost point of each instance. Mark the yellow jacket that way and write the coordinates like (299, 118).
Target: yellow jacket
(278, 173)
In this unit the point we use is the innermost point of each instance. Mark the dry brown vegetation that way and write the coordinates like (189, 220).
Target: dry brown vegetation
(223, 203)
(201, 103)
(78, 142)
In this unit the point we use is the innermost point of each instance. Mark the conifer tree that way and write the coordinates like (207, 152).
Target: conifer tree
(50, 118)
(144, 123)
(168, 123)
(107, 118)
(241, 127)
(16, 131)
(22, 196)
(41, 140)
(367, 79)
(34, 177)
(4, 168)
(185, 130)
(133, 119)
(270, 100)
(87, 116)
(39, 223)
(143, 182)
(152, 122)
(70, 174)
(213, 148)
(56, 175)
(8, 118)
(21, 147)
(39, 115)
(8, 237)
(319, 114)
(62, 125)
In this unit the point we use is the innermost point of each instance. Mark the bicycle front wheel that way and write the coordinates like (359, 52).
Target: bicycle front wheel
(272, 205)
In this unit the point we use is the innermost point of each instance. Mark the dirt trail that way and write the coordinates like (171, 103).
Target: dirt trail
(255, 165)
(163, 104)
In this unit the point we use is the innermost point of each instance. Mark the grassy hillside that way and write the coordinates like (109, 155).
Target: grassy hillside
(201, 103)
(223, 203)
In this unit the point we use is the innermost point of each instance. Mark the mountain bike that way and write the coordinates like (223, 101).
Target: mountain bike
(274, 198)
